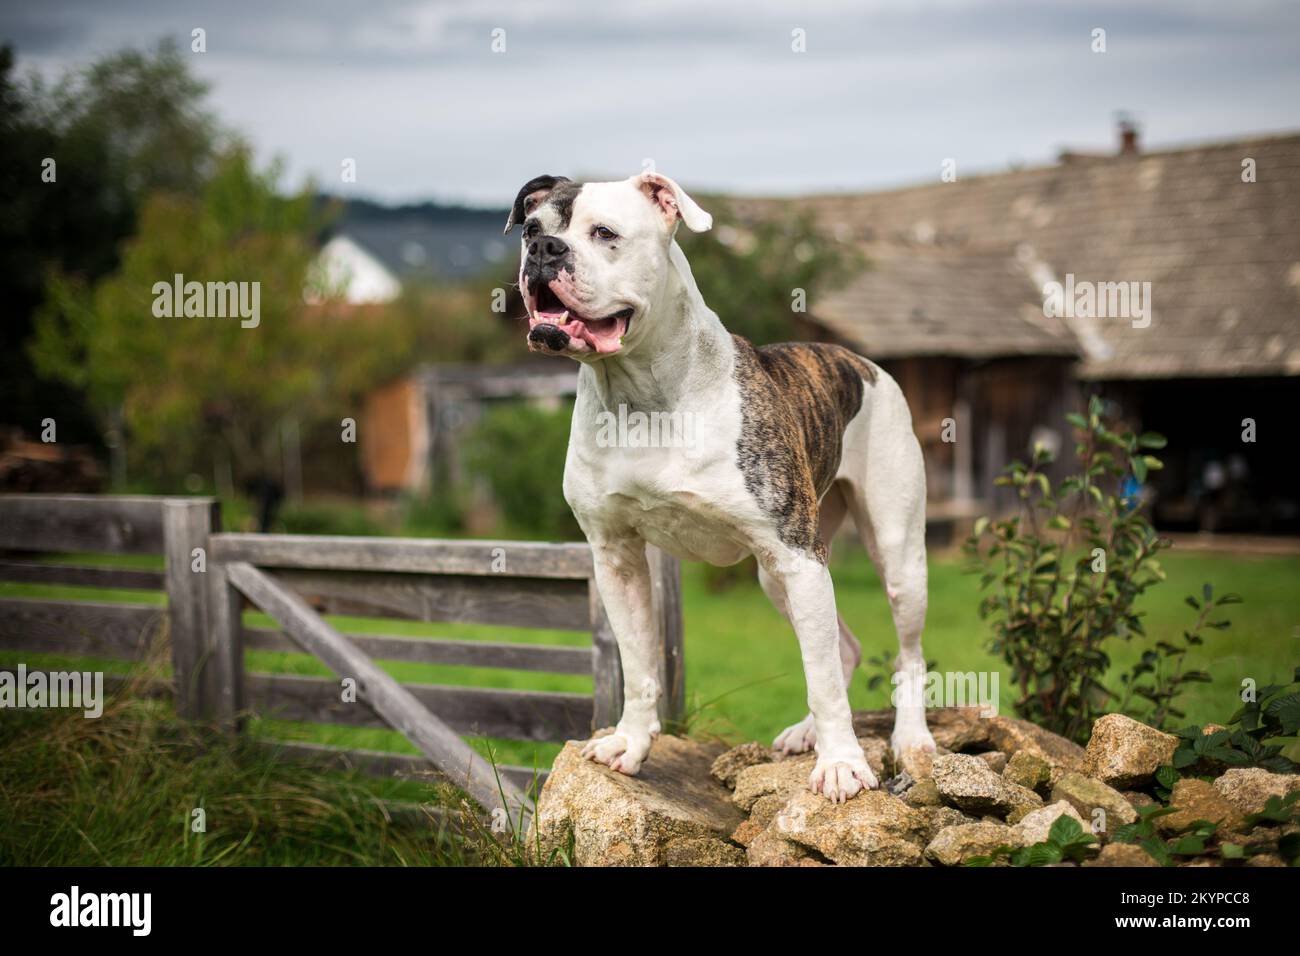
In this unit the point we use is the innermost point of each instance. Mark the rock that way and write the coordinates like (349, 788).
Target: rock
(937, 818)
(953, 728)
(761, 815)
(736, 759)
(746, 833)
(766, 808)
(953, 846)
(616, 820)
(918, 764)
(1248, 788)
(966, 782)
(876, 751)
(771, 849)
(1197, 800)
(704, 851)
(786, 775)
(872, 829)
(923, 793)
(1020, 801)
(1266, 859)
(1011, 736)
(780, 777)
(1028, 770)
(1035, 825)
(1126, 753)
(1137, 799)
(1122, 854)
(996, 760)
(1086, 794)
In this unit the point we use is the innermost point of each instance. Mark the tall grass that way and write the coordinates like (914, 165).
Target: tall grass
(122, 790)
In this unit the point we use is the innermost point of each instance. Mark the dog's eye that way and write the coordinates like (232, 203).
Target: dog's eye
(604, 232)
(531, 229)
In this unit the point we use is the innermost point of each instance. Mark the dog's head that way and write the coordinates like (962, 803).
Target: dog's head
(595, 257)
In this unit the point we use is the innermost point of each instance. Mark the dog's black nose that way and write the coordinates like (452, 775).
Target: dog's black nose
(547, 250)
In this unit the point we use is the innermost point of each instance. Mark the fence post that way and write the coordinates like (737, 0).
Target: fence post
(225, 646)
(666, 594)
(606, 665)
(187, 523)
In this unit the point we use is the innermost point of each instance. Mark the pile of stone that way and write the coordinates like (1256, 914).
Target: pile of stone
(993, 782)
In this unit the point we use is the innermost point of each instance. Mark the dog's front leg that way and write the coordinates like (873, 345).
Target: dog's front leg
(623, 580)
(841, 770)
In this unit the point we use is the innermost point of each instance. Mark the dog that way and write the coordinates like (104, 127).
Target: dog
(787, 440)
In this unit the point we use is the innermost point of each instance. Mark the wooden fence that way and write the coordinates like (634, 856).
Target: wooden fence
(210, 578)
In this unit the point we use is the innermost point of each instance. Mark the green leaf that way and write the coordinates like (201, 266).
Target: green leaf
(1065, 829)
(1152, 440)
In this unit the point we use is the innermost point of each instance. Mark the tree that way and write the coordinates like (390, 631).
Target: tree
(129, 124)
(189, 385)
(749, 273)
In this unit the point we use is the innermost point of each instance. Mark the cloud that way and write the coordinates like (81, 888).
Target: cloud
(712, 92)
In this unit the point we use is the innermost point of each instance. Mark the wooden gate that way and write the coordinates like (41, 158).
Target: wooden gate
(297, 578)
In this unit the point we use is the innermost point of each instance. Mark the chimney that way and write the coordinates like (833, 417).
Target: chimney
(1128, 137)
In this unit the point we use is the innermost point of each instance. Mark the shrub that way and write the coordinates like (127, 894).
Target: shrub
(519, 450)
(1055, 605)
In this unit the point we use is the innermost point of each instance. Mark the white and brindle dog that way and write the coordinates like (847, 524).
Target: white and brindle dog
(788, 439)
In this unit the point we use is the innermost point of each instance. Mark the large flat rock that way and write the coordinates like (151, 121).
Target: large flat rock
(672, 812)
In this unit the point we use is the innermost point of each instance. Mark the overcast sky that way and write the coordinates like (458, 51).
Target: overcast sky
(711, 91)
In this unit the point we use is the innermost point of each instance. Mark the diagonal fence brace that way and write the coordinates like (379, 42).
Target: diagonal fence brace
(389, 699)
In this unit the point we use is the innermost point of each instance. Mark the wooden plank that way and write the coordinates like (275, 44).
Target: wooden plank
(666, 585)
(81, 575)
(383, 763)
(186, 526)
(221, 676)
(606, 665)
(84, 628)
(512, 602)
(114, 523)
(533, 715)
(394, 703)
(494, 559)
(550, 658)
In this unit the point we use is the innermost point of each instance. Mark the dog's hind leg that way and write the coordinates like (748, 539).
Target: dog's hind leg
(802, 736)
(885, 475)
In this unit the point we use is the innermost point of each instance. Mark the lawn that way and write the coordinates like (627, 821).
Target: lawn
(127, 783)
(743, 675)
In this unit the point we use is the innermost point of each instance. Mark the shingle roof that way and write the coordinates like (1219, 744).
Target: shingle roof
(958, 268)
(413, 247)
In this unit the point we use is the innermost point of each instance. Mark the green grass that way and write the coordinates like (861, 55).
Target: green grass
(736, 638)
(742, 660)
(119, 789)
(122, 790)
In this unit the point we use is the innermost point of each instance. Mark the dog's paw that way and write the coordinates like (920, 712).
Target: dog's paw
(841, 779)
(618, 751)
(797, 739)
(911, 739)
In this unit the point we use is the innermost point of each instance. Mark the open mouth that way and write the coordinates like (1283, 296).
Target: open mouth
(556, 326)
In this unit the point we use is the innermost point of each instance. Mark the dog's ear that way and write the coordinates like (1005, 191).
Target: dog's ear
(530, 195)
(673, 201)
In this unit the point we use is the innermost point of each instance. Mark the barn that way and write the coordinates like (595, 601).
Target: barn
(1191, 326)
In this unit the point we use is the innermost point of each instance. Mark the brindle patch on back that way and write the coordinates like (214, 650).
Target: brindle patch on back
(796, 401)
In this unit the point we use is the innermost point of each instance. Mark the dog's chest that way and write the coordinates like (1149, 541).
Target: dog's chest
(688, 499)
